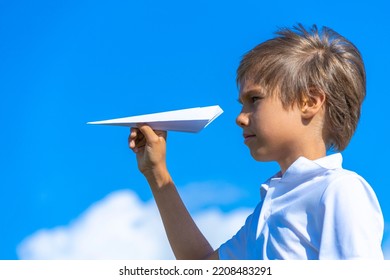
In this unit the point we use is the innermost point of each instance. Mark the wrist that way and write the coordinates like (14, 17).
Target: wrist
(158, 178)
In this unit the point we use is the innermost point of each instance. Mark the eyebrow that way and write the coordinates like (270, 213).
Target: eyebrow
(245, 94)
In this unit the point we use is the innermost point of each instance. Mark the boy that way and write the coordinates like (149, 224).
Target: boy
(301, 94)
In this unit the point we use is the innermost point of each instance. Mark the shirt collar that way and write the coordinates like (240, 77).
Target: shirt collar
(303, 166)
(333, 161)
(302, 169)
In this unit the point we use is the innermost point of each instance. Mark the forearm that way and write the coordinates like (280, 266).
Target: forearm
(186, 240)
(184, 236)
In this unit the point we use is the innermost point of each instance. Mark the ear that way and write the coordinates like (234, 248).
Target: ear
(312, 103)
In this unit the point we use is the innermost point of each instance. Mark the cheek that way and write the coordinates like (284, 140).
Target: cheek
(276, 123)
(266, 129)
(266, 119)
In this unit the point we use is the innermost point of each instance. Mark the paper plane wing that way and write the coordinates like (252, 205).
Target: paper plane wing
(185, 120)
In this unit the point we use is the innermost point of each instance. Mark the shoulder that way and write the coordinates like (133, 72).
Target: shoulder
(345, 182)
(347, 192)
(353, 224)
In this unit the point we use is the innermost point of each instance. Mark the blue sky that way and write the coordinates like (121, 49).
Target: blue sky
(64, 63)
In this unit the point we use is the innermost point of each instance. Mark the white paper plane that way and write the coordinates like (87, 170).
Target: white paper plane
(185, 120)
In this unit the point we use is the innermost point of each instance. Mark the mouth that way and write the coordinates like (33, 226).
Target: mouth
(247, 137)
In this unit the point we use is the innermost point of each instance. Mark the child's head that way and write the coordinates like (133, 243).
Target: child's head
(300, 63)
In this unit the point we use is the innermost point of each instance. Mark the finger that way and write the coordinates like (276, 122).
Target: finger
(140, 141)
(133, 131)
(148, 132)
(151, 133)
(138, 146)
(132, 137)
(161, 133)
(136, 139)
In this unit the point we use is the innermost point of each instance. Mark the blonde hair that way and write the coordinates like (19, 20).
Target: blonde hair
(298, 63)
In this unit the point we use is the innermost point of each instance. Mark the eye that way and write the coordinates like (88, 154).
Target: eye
(255, 98)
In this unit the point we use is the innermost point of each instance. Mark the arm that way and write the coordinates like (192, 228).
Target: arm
(185, 238)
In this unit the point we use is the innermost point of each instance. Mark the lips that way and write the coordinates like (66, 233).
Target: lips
(248, 136)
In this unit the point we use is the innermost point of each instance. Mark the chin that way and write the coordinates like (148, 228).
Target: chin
(263, 157)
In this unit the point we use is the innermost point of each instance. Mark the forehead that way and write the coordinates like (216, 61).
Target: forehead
(249, 87)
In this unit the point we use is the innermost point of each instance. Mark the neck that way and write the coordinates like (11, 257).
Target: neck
(311, 152)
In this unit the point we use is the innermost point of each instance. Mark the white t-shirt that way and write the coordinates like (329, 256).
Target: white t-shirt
(316, 210)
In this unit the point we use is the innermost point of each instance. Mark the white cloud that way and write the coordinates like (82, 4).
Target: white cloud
(201, 195)
(386, 242)
(386, 250)
(121, 226)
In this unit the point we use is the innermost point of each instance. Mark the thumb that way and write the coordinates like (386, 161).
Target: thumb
(150, 134)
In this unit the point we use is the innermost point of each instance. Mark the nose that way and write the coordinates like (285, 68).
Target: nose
(242, 119)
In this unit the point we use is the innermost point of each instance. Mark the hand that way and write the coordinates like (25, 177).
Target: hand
(150, 149)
